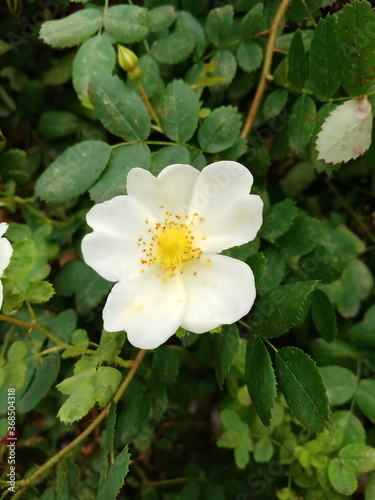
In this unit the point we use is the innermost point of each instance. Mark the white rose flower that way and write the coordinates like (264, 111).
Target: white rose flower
(6, 251)
(161, 244)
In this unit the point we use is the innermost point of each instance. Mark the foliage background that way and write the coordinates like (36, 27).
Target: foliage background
(73, 124)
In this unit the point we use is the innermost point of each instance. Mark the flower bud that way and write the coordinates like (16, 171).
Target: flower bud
(135, 74)
(126, 58)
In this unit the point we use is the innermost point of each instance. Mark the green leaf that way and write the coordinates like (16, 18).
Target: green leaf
(341, 383)
(346, 428)
(39, 292)
(274, 103)
(169, 155)
(113, 180)
(357, 47)
(258, 264)
(274, 271)
(281, 308)
(109, 434)
(366, 397)
(220, 129)
(79, 402)
(324, 59)
(178, 111)
(110, 345)
(260, 378)
(43, 378)
(162, 17)
(297, 67)
(342, 477)
(116, 475)
(60, 72)
(126, 23)
(278, 219)
(301, 123)
(263, 450)
(173, 48)
(72, 30)
(225, 68)
(363, 333)
(72, 173)
(95, 57)
(323, 315)
(22, 261)
(249, 56)
(150, 78)
(226, 343)
(89, 290)
(370, 488)
(121, 110)
(304, 235)
(105, 383)
(358, 457)
(79, 339)
(219, 24)
(189, 23)
(253, 22)
(302, 385)
(166, 364)
(57, 124)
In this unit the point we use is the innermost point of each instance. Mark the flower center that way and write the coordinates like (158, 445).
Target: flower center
(172, 245)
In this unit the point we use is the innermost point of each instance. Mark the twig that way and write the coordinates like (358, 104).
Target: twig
(268, 55)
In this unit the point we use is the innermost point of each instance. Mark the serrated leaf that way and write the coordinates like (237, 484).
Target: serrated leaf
(105, 383)
(346, 133)
(281, 308)
(258, 264)
(274, 103)
(249, 56)
(109, 434)
(366, 398)
(323, 315)
(79, 402)
(220, 129)
(260, 378)
(278, 219)
(95, 56)
(173, 48)
(358, 457)
(113, 180)
(116, 475)
(178, 111)
(39, 292)
(120, 109)
(363, 332)
(110, 345)
(126, 23)
(189, 23)
(225, 67)
(169, 155)
(301, 123)
(150, 79)
(72, 173)
(219, 24)
(302, 385)
(22, 261)
(324, 59)
(162, 17)
(226, 343)
(304, 235)
(71, 30)
(297, 67)
(342, 477)
(166, 364)
(357, 47)
(57, 124)
(274, 271)
(253, 22)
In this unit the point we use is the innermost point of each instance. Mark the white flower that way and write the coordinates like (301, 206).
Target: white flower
(161, 244)
(6, 251)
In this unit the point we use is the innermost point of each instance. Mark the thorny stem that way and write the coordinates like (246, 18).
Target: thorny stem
(57, 341)
(268, 55)
(23, 484)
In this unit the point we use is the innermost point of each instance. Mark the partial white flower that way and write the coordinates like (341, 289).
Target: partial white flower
(161, 244)
(6, 252)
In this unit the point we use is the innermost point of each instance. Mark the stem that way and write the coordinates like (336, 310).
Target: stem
(148, 104)
(25, 483)
(268, 55)
(63, 345)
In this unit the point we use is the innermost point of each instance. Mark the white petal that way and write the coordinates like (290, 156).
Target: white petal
(145, 188)
(1, 294)
(178, 181)
(231, 215)
(219, 294)
(3, 228)
(6, 252)
(112, 248)
(149, 311)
